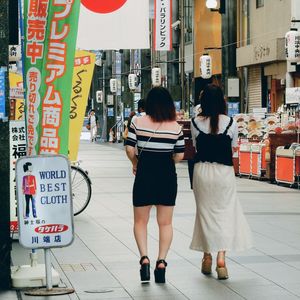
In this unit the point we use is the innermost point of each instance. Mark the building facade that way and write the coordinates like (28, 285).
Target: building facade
(262, 25)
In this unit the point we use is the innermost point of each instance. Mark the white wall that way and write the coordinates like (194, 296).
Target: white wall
(270, 21)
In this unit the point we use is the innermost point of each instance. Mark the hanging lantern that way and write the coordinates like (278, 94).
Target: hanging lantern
(292, 45)
(132, 81)
(156, 76)
(99, 96)
(113, 85)
(205, 66)
(211, 4)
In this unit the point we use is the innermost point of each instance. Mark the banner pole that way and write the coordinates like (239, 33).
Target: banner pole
(48, 269)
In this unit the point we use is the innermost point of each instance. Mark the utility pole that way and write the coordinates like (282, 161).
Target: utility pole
(229, 39)
(5, 243)
(182, 54)
(174, 57)
(104, 111)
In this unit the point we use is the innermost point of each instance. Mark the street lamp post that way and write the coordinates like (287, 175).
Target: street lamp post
(228, 10)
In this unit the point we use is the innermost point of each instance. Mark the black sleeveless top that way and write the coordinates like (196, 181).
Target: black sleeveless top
(214, 147)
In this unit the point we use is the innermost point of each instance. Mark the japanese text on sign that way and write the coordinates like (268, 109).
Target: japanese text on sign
(44, 201)
(56, 66)
(163, 32)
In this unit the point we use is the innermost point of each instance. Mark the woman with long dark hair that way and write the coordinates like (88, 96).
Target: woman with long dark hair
(160, 143)
(220, 224)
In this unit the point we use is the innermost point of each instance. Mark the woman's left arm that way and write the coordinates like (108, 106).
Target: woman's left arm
(179, 148)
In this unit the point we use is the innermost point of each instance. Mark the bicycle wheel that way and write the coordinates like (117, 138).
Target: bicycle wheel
(81, 190)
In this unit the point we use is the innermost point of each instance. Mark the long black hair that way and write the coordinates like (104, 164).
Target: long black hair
(160, 105)
(212, 105)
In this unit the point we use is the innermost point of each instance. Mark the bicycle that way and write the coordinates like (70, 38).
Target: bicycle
(81, 188)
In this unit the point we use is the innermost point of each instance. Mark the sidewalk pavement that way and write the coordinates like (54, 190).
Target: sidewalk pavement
(102, 263)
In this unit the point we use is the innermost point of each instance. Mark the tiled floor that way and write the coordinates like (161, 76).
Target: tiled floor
(102, 263)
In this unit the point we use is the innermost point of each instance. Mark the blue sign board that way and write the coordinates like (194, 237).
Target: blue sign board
(2, 94)
(177, 105)
(233, 108)
(110, 111)
(127, 112)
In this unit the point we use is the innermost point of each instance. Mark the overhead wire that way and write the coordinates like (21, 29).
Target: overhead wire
(177, 60)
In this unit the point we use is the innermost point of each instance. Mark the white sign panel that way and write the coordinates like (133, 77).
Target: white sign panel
(233, 87)
(292, 95)
(110, 99)
(14, 53)
(162, 25)
(44, 201)
(16, 93)
(119, 24)
(17, 149)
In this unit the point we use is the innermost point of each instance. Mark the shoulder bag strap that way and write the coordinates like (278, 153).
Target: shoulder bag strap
(149, 139)
(194, 124)
(230, 123)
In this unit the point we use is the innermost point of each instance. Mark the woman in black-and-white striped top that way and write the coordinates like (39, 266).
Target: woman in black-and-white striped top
(160, 143)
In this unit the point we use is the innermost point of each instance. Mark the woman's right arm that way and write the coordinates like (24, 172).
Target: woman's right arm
(130, 146)
(177, 157)
(130, 151)
(234, 142)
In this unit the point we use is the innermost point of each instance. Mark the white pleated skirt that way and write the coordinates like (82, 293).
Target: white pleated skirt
(220, 223)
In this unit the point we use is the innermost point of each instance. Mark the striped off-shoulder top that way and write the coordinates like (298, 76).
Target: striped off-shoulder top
(165, 137)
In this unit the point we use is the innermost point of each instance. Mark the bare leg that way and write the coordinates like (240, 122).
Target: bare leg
(221, 259)
(206, 255)
(141, 218)
(221, 266)
(164, 220)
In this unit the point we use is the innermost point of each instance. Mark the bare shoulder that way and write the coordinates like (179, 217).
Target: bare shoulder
(177, 127)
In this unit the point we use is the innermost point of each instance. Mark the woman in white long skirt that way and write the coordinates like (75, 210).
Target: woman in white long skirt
(220, 223)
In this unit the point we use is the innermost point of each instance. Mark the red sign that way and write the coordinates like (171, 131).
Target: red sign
(103, 6)
(51, 228)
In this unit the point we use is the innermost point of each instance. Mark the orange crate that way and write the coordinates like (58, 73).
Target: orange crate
(244, 159)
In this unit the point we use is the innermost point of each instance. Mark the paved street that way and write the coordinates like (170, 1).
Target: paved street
(102, 263)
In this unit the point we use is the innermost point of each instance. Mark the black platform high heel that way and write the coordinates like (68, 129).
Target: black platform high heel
(160, 273)
(145, 269)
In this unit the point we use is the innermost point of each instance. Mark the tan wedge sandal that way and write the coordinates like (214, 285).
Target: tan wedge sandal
(222, 273)
(206, 265)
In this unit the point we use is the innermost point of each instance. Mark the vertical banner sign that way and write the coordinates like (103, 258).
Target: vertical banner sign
(17, 149)
(2, 94)
(50, 37)
(44, 201)
(162, 25)
(82, 78)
